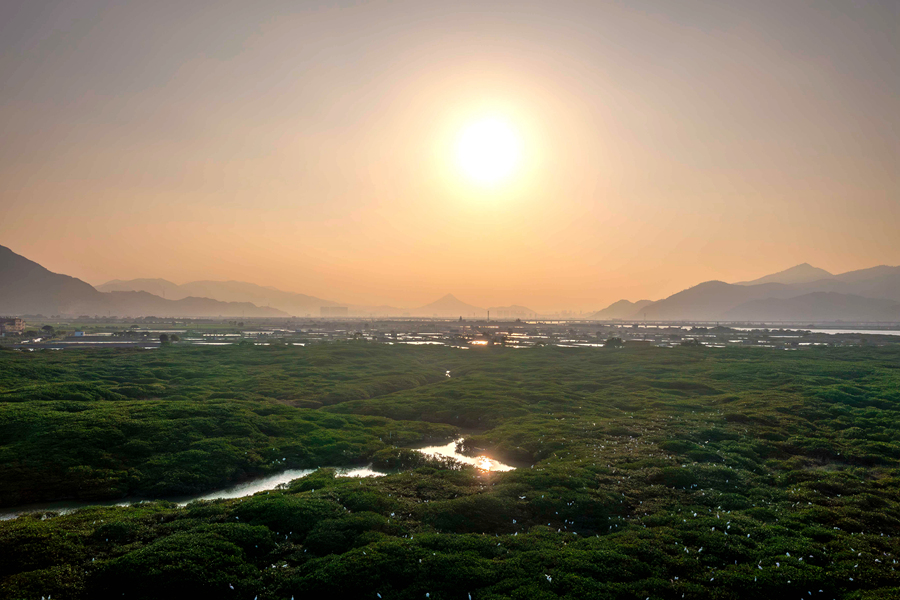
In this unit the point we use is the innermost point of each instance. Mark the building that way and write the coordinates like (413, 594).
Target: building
(11, 325)
(334, 311)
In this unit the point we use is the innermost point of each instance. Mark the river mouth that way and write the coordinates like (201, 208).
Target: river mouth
(254, 486)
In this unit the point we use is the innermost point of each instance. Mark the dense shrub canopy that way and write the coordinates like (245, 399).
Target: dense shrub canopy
(729, 473)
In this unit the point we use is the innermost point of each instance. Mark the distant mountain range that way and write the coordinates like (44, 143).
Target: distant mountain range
(300, 304)
(30, 289)
(801, 293)
(225, 291)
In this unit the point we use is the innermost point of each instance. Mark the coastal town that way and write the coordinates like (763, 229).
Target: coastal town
(151, 332)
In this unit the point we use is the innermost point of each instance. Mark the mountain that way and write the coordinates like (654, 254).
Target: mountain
(225, 291)
(132, 304)
(804, 273)
(623, 309)
(878, 282)
(816, 307)
(870, 274)
(449, 307)
(708, 301)
(29, 288)
(716, 300)
(157, 287)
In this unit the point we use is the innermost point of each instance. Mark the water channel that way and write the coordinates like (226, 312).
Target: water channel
(248, 488)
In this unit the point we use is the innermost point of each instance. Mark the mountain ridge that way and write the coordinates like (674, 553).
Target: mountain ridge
(802, 273)
(800, 292)
(225, 291)
(716, 300)
(621, 309)
(37, 290)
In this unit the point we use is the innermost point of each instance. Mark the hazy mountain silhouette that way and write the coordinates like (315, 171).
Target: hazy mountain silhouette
(158, 287)
(623, 309)
(226, 291)
(716, 300)
(449, 307)
(709, 301)
(145, 303)
(29, 288)
(870, 274)
(877, 282)
(804, 273)
(801, 293)
(817, 306)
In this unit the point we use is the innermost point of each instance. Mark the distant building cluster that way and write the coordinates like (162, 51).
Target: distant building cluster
(11, 325)
(512, 313)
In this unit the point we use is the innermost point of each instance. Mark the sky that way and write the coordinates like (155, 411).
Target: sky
(313, 146)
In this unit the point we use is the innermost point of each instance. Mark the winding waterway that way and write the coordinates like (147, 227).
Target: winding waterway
(248, 488)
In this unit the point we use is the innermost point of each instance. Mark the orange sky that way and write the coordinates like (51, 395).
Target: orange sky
(309, 146)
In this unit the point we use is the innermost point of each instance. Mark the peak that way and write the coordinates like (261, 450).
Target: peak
(802, 273)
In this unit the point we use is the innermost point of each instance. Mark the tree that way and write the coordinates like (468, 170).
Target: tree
(174, 338)
(163, 338)
(48, 329)
(614, 342)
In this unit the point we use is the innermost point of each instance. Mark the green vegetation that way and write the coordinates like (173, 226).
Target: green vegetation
(644, 472)
(96, 424)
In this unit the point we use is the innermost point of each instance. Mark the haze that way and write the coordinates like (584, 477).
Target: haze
(310, 146)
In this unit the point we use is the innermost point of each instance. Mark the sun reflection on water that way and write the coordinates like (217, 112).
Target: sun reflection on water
(484, 463)
(481, 462)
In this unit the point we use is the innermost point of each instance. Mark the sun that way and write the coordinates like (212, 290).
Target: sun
(488, 151)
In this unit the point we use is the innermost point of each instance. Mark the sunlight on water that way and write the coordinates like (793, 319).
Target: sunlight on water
(485, 463)
(273, 481)
(262, 484)
(240, 490)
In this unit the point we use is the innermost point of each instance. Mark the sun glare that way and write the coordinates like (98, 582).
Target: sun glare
(484, 463)
(488, 151)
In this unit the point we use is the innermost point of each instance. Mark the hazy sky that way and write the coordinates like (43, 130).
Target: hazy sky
(310, 145)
